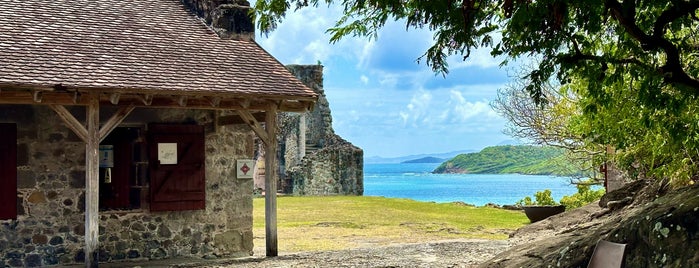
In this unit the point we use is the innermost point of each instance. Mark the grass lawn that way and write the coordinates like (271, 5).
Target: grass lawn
(343, 222)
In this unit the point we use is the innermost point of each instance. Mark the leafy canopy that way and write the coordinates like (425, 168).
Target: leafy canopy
(602, 40)
(630, 67)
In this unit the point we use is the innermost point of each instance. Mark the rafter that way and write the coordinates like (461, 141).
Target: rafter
(37, 96)
(114, 98)
(146, 99)
(182, 101)
(215, 101)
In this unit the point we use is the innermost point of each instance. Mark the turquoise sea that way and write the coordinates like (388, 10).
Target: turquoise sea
(414, 181)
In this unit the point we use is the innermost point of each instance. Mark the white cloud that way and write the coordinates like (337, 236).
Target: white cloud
(364, 79)
(381, 99)
(417, 109)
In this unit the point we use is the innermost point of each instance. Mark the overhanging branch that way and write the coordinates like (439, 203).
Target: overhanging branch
(672, 70)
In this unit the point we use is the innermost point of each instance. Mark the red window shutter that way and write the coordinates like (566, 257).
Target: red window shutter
(179, 186)
(8, 171)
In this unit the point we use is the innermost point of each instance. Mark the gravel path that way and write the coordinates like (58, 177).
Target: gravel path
(451, 253)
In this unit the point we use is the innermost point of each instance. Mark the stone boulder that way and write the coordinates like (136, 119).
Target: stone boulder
(659, 231)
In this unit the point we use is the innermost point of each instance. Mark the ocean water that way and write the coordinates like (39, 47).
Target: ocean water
(414, 181)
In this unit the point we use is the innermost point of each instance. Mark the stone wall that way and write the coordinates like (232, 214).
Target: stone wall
(336, 169)
(49, 229)
(228, 18)
(312, 159)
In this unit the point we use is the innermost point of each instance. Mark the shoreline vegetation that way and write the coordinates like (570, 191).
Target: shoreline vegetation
(519, 159)
(313, 223)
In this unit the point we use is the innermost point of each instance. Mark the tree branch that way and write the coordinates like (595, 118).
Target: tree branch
(672, 70)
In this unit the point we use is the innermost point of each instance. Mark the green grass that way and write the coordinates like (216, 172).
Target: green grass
(341, 222)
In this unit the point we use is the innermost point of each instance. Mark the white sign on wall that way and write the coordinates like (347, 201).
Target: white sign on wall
(167, 153)
(245, 168)
(106, 156)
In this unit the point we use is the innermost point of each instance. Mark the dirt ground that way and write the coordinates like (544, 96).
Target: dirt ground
(448, 253)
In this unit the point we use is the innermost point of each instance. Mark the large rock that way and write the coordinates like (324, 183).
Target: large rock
(663, 232)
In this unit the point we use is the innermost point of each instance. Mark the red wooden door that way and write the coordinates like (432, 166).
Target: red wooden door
(8, 171)
(176, 183)
(115, 193)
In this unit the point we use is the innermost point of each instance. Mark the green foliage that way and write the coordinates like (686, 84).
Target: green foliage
(584, 196)
(523, 159)
(603, 40)
(631, 65)
(542, 198)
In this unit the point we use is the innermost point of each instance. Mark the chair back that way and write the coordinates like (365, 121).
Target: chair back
(607, 255)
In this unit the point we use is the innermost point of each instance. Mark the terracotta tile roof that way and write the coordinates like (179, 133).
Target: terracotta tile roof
(132, 45)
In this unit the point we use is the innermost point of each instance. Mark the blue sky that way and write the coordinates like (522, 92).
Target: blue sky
(382, 100)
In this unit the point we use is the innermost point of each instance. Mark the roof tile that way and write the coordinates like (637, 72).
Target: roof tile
(139, 45)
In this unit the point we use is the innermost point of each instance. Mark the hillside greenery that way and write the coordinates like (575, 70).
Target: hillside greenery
(522, 159)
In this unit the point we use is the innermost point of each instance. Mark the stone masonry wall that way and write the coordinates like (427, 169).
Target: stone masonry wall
(49, 229)
(313, 160)
(336, 169)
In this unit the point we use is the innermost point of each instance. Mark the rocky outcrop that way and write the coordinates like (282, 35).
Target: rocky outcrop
(312, 159)
(659, 231)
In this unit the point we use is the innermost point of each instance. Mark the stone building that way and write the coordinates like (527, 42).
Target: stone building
(313, 160)
(122, 124)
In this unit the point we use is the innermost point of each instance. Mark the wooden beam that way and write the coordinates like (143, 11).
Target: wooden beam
(92, 182)
(237, 119)
(254, 125)
(114, 121)
(214, 102)
(271, 182)
(70, 121)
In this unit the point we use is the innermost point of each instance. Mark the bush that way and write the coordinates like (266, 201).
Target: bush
(584, 196)
(543, 198)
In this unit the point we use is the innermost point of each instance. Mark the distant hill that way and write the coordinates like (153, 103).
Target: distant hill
(523, 159)
(396, 160)
(428, 159)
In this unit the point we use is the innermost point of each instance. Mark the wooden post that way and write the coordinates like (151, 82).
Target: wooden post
(302, 135)
(92, 182)
(271, 182)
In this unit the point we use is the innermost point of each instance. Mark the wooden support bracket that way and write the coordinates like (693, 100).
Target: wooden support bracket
(70, 121)
(114, 121)
(254, 124)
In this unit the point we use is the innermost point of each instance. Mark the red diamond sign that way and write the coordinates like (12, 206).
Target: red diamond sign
(244, 168)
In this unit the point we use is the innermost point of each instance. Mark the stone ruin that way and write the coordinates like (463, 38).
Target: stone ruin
(312, 159)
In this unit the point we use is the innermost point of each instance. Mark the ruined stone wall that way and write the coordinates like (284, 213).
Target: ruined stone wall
(313, 160)
(49, 229)
(336, 169)
(228, 18)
